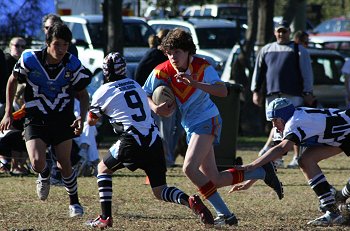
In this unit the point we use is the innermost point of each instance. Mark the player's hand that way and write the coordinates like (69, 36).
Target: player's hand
(246, 167)
(78, 126)
(6, 123)
(242, 186)
(186, 78)
(166, 109)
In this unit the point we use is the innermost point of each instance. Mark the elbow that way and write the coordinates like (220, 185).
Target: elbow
(224, 91)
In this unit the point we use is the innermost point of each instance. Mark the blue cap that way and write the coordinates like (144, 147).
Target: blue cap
(280, 108)
(282, 24)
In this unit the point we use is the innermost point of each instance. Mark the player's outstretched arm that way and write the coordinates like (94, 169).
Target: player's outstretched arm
(271, 155)
(242, 186)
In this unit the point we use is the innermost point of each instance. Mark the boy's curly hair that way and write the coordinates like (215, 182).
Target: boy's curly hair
(178, 39)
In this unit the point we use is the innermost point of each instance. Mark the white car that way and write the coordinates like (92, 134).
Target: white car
(212, 37)
(333, 42)
(88, 34)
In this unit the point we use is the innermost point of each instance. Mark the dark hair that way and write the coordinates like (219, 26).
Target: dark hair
(300, 34)
(54, 18)
(58, 30)
(153, 41)
(178, 39)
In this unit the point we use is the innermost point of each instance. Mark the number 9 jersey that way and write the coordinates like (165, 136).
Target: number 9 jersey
(125, 104)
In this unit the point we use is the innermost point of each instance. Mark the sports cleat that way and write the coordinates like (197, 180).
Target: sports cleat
(293, 163)
(328, 219)
(100, 223)
(279, 163)
(340, 200)
(225, 220)
(76, 210)
(201, 210)
(272, 180)
(43, 187)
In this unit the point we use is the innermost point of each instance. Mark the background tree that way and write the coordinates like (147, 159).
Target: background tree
(113, 26)
(23, 21)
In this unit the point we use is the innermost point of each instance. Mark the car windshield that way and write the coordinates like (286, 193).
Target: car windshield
(135, 34)
(212, 38)
(333, 26)
(327, 70)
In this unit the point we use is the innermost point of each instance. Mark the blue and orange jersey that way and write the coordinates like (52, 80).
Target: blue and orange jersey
(195, 105)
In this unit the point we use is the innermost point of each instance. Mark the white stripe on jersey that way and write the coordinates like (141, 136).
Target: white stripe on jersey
(319, 126)
(126, 103)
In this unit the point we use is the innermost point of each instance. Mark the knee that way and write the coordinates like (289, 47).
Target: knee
(157, 195)
(188, 169)
(157, 192)
(102, 168)
(37, 166)
(303, 161)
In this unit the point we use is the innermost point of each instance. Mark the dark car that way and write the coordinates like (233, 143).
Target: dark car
(329, 87)
(333, 25)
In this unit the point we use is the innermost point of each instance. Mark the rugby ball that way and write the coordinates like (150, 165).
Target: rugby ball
(163, 94)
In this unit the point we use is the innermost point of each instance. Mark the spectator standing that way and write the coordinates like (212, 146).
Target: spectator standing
(138, 144)
(16, 46)
(192, 80)
(169, 127)
(4, 166)
(284, 68)
(301, 37)
(152, 57)
(3, 81)
(48, 20)
(53, 78)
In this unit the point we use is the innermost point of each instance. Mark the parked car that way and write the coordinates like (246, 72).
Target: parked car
(192, 11)
(89, 38)
(212, 37)
(230, 11)
(333, 25)
(333, 42)
(329, 87)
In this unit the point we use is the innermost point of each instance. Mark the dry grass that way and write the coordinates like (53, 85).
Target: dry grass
(134, 207)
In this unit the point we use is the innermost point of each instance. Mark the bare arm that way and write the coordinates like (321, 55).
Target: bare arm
(78, 124)
(219, 90)
(83, 97)
(271, 155)
(10, 95)
(92, 119)
(163, 109)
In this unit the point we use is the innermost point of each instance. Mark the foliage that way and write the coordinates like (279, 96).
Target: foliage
(23, 18)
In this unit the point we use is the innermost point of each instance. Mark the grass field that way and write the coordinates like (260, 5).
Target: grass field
(134, 207)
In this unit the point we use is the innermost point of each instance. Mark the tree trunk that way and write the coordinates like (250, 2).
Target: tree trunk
(112, 18)
(295, 12)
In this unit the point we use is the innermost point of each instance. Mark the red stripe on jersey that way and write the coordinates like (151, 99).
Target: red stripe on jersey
(165, 71)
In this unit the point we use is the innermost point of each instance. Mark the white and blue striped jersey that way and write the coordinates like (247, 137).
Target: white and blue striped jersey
(314, 126)
(49, 89)
(126, 105)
